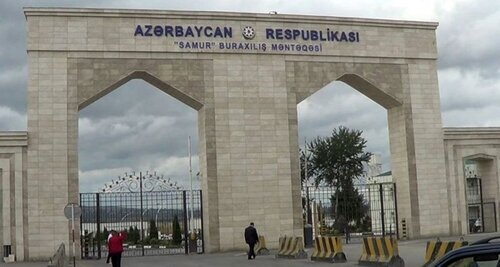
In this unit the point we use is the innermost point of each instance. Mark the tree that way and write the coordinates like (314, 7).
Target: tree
(176, 229)
(137, 234)
(134, 235)
(337, 161)
(305, 158)
(130, 236)
(105, 234)
(348, 206)
(153, 230)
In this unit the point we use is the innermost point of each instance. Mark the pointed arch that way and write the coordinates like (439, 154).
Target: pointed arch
(383, 98)
(149, 78)
(383, 83)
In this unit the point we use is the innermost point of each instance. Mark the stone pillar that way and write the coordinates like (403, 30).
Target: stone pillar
(255, 143)
(48, 159)
(208, 171)
(428, 185)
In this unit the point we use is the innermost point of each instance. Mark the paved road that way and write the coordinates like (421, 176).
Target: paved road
(411, 251)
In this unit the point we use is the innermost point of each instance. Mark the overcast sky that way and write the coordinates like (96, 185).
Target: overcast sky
(137, 127)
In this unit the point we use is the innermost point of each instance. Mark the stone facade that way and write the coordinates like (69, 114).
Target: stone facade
(13, 192)
(481, 145)
(247, 110)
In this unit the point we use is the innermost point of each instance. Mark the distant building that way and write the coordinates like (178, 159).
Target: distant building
(373, 168)
(373, 198)
(385, 177)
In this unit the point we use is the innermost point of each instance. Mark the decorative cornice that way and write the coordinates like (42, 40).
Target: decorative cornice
(471, 133)
(14, 138)
(238, 16)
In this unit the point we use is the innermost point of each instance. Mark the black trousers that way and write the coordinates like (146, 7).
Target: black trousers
(116, 259)
(251, 252)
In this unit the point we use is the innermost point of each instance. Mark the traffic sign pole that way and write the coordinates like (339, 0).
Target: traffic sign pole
(73, 230)
(71, 211)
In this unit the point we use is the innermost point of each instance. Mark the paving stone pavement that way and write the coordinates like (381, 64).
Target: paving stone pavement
(411, 251)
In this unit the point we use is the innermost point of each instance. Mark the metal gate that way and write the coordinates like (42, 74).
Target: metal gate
(156, 223)
(482, 217)
(482, 214)
(366, 209)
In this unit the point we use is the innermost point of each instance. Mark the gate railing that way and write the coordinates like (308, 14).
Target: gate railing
(482, 217)
(156, 223)
(366, 209)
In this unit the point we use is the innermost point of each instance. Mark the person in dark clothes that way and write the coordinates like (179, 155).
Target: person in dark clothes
(251, 237)
(115, 246)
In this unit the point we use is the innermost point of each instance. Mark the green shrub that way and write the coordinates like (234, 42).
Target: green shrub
(153, 230)
(104, 235)
(176, 229)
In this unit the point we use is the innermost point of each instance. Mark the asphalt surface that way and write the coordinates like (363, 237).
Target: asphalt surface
(411, 251)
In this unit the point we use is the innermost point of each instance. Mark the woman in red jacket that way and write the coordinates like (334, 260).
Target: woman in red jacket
(115, 247)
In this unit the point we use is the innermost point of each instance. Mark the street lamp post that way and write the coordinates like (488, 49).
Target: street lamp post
(156, 220)
(306, 181)
(142, 213)
(123, 218)
(191, 222)
(156, 217)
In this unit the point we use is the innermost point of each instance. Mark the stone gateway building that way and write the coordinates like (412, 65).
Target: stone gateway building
(244, 74)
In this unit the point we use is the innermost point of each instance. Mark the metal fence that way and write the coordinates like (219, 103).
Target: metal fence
(157, 223)
(368, 209)
(482, 217)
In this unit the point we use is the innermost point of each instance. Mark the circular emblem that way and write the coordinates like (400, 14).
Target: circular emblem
(248, 32)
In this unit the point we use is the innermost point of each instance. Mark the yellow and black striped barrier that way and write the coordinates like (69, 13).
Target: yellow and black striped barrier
(291, 247)
(381, 251)
(437, 249)
(260, 247)
(328, 248)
